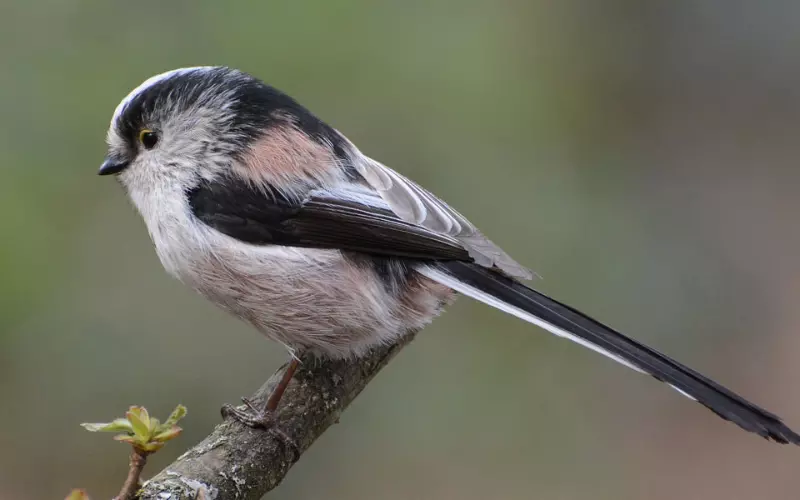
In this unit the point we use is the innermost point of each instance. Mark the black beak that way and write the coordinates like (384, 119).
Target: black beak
(112, 166)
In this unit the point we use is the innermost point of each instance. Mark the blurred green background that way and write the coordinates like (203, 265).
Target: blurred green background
(641, 156)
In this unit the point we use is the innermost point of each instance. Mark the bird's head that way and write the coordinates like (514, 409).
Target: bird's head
(190, 125)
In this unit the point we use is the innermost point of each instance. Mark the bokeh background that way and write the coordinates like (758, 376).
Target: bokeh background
(641, 156)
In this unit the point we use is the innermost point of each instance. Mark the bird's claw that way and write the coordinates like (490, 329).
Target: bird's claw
(256, 418)
(250, 416)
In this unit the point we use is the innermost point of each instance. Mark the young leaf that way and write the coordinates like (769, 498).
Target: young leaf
(140, 420)
(155, 424)
(150, 447)
(118, 425)
(167, 434)
(177, 414)
(127, 438)
(140, 430)
(77, 494)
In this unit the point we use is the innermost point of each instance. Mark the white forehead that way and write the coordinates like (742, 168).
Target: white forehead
(152, 81)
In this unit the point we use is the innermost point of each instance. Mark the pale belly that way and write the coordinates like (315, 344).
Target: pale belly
(308, 299)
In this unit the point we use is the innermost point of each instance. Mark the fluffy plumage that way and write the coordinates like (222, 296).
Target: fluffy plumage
(278, 218)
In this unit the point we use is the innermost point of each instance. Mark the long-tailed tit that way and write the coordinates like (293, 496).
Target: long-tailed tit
(278, 218)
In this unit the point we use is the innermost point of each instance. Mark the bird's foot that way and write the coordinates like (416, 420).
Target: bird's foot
(256, 418)
(250, 416)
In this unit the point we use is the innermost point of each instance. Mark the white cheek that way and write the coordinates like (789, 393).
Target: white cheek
(156, 188)
(145, 175)
(170, 167)
(161, 201)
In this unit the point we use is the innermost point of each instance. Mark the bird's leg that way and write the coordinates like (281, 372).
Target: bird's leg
(264, 418)
(277, 393)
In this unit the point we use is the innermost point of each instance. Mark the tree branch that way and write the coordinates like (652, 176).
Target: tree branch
(237, 462)
(131, 486)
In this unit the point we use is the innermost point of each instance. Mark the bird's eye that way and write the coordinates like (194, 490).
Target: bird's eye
(148, 138)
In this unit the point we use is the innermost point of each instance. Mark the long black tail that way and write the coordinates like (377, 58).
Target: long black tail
(513, 297)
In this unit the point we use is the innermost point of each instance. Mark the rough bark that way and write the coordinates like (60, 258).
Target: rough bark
(237, 462)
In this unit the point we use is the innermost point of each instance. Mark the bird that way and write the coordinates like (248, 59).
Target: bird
(278, 218)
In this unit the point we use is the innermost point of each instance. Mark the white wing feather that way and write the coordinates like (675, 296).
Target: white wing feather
(412, 203)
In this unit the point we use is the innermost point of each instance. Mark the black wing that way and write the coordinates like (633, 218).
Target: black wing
(319, 221)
